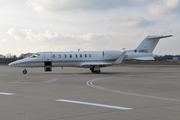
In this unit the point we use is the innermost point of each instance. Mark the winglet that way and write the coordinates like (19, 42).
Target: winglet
(120, 59)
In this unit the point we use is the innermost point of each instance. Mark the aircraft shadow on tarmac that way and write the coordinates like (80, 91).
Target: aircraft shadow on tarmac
(83, 73)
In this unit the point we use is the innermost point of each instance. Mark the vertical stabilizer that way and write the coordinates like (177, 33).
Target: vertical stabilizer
(149, 43)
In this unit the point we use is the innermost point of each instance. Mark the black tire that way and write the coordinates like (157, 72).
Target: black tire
(92, 70)
(98, 71)
(24, 71)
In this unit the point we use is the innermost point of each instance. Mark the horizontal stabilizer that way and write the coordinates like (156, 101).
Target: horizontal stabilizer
(145, 58)
(159, 37)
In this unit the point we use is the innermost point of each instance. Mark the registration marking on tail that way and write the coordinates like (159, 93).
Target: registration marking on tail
(94, 104)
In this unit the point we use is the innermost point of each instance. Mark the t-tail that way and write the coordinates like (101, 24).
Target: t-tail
(145, 49)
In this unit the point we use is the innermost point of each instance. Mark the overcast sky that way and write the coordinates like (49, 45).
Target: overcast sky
(67, 25)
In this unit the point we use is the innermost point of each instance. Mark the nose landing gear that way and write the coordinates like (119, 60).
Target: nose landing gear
(24, 71)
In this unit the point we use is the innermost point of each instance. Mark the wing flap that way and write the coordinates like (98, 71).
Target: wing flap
(96, 64)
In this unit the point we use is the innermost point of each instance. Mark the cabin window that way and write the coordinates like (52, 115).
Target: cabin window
(85, 55)
(53, 56)
(59, 56)
(70, 56)
(80, 55)
(35, 55)
(89, 55)
(64, 55)
(76, 55)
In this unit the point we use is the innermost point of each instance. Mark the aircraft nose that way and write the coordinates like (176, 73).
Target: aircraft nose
(11, 64)
(18, 63)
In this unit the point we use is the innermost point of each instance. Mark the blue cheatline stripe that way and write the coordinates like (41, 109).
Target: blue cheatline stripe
(94, 104)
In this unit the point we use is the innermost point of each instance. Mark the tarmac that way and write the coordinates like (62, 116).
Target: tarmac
(127, 92)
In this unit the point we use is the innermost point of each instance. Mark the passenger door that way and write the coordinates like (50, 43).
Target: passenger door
(47, 56)
(47, 61)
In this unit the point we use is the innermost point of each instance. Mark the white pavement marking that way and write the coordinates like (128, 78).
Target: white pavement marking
(94, 104)
(3, 93)
(52, 80)
(90, 83)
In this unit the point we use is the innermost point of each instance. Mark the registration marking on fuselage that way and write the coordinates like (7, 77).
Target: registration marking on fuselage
(4, 93)
(94, 104)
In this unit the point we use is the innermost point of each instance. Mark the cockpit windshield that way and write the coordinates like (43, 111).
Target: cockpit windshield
(36, 55)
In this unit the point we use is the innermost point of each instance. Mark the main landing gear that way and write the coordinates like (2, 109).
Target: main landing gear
(95, 69)
(24, 71)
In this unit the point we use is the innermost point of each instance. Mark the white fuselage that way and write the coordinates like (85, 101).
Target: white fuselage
(69, 59)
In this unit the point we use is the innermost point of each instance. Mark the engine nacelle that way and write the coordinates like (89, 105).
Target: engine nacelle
(111, 54)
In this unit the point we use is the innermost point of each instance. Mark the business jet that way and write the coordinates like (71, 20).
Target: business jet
(94, 60)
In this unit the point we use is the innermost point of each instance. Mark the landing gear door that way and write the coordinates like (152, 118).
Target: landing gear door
(47, 61)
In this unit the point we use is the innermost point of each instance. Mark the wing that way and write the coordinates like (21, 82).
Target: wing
(90, 64)
(104, 63)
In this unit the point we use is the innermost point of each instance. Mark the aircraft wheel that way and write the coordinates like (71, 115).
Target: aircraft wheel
(24, 71)
(98, 71)
(92, 70)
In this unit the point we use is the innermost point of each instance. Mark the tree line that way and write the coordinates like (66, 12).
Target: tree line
(10, 57)
(21, 56)
(165, 57)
